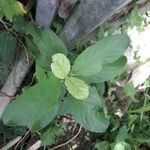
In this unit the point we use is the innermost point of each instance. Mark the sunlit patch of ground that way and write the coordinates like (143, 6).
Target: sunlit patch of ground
(139, 53)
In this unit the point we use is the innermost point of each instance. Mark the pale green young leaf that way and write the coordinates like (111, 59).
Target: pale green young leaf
(60, 66)
(77, 88)
(36, 107)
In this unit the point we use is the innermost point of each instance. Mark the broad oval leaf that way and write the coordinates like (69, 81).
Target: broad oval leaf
(77, 88)
(87, 64)
(86, 112)
(107, 50)
(109, 71)
(44, 45)
(40, 73)
(36, 107)
(60, 66)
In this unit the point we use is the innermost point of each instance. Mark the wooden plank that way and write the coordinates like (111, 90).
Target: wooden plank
(87, 17)
(45, 12)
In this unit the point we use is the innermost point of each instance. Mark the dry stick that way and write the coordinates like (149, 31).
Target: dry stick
(63, 144)
(11, 143)
(22, 139)
(38, 144)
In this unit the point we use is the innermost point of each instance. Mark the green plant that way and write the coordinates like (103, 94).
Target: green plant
(63, 86)
(39, 104)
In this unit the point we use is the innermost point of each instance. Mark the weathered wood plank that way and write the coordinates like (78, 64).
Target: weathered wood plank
(88, 16)
(65, 8)
(45, 12)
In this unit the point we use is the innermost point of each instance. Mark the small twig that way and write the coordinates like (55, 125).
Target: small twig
(38, 143)
(74, 127)
(11, 143)
(21, 140)
(63, 144)
(4, 24)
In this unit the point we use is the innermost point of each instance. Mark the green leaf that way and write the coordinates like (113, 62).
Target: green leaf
(50, 136)
(7, 48)
(102, 145)
(40, 73)
(109, 71)
(44, 45)
(122, 146)
(87, 63)
(1, 14)
(22, 25)
(129, 90)
(122, 134)
(36, 107)
(107, 50)
(77, 88)
(60, 66)
(135, 18)
(9, 8)
(140, 110)
(86, 112)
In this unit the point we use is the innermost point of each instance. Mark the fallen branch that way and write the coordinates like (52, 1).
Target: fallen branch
(11, 143)
(13, 82)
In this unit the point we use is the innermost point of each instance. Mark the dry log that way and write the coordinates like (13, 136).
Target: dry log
(13, 82)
